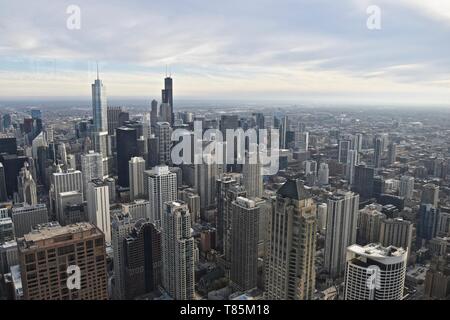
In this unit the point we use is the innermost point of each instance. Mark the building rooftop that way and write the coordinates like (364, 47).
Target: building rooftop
(294, 189)
(21, 207)
(376, 251)
(53, 232)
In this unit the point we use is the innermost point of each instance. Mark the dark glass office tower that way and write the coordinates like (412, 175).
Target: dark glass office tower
(364, 181)
(6, 121)
(154, 113)
(167, 95)
(3, 194)
(228, 122)
(8, 144)
(12, 164)
(127, 148)
(142, 259)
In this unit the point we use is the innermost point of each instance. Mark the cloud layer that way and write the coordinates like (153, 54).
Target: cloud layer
(254, 49)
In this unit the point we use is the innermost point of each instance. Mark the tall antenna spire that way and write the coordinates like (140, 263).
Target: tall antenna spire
(166, 70)
(98, 78)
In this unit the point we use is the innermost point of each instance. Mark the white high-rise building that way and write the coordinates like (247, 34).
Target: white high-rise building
(136, 167)
(62, 153)
(352, 161)
(205, 183)
(323, 175)
(301, 139)
(138, 209)
(342, 220)
(122, 224)
(71, 162)
(162, 187)
(71, 180)
(253, 177)
(26, 187)
(98, 207)
(91, 167)
(322, 218)
(406, 187)
(310, 167)
(178, 249)
(374, 272)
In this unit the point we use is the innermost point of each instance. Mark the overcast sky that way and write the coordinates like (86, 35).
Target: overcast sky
(248, 49)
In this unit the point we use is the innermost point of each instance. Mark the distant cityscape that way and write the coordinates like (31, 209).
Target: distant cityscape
(94, 207)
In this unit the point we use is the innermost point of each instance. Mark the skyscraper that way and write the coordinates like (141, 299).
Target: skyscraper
(163, 133)
(127, 148)
(244, 243)
(301, 138)
(178, 251)
(26, 217)
(396, 232)
(100, 121)
(430, 194)
(204, 183)
(3, 192)
(162, 187)
(167, 96)
(369, 222)
(364, 181)
(8, 144)
(290, 260)
(71, 180)
(121, 226)
(387, 267)
(378, 152)
(352, 161)
(165, 113)
(142, 259)
(228, 122)
(113, 115)
(91, 168)
(6, 231)
(27, 187)
(154, 114)
(392, 153)
(46, 254)
(136, 173)
(98, 206)
(323, 174)
(342, 219)
(72, 207)
(225, 197)
(99, 106)
(406, 188)
(344, 146)
(428, 222)
(253, 177)
(192, 199)
(283, 132)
